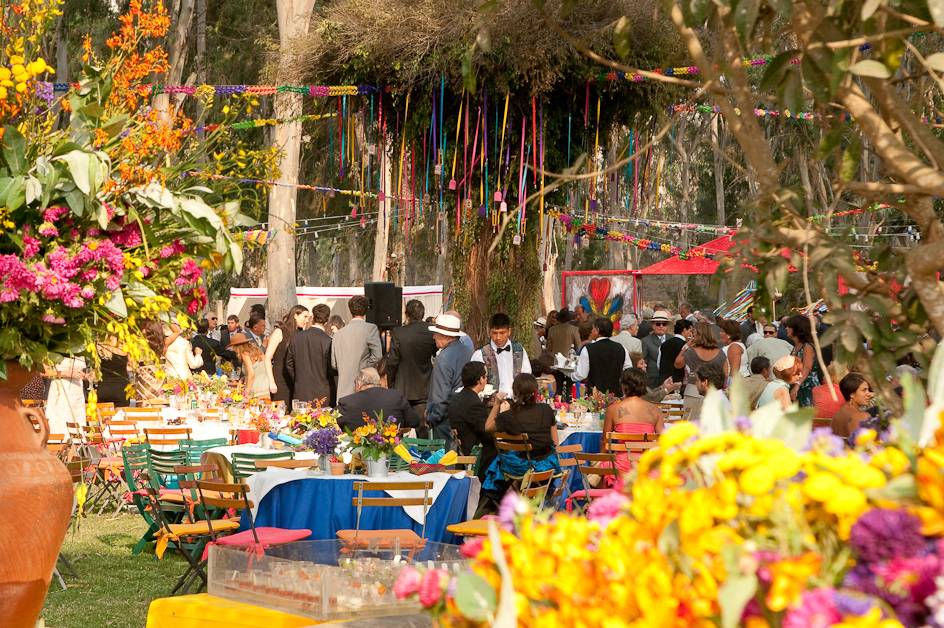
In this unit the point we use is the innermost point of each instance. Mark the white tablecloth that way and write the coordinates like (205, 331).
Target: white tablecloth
(261, 483)
(229, 450)
(563, 435)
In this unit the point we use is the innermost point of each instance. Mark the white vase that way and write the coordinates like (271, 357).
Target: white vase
(379, 468)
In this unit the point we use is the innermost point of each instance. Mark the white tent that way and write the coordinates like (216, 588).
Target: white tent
(240, 299)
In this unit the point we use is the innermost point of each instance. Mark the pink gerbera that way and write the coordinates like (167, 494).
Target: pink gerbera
(407, 583)
(430, 588)
(47, 229)
(472, 547)
(816, 610)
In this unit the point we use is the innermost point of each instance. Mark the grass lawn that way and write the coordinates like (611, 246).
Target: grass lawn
(114, 588)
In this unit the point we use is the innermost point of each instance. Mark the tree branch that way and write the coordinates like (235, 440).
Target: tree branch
(876, 187)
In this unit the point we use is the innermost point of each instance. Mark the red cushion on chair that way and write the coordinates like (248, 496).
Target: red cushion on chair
(594, 493)
(248, 437)
(267, 538)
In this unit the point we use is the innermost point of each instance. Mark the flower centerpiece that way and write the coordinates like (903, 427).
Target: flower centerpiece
(771, 525)
(263, 422)
(317, 417)
(374, 442)
(323, 441)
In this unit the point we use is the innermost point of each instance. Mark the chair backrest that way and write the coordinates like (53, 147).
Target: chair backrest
(359, 501)
(136, 461)
(59, 445)
(162, 464)
(92, 434)
(418, 444)
(569, 451)
(195, 448)
(160, 436)
(187, 477)
(226, 496)
(144, 416)
(286, 464)
(513, 442)
(588, 465)
(31, 403)
(536, 483)
(615, 444)
(82, 470)
(244, 465)
(121, 430)
(75, 432)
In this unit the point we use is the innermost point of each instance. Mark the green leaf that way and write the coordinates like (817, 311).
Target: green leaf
(76, 201)
(622, 37)
(915, 402)
(869, 8)
(16, 194)
(791, 92)
(64, 147)
(116, 304)
(776, 69)
(698, 9)
(815, 79)
(733, 596)
(745, 17)
(851, 157)
(872, 68)
(567, 7)
(936, 7)
(670, 540)
(14, 149)
(794, 429)
(488, 8)
(79, 167)
(3, 369)
(33, 190)
(468, 73)
(483, 39)
(829, 142)
(935, 61)
(475, 597)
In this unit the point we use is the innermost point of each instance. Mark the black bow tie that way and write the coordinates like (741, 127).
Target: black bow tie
(500, 349)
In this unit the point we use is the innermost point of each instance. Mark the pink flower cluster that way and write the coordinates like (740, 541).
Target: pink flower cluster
(128, 237)
(172, 249)
(429, 585)
(54, 213)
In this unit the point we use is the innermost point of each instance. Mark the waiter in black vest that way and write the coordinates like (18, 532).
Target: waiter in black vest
(602, 361)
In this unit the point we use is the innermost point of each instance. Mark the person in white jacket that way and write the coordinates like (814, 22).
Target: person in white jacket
(179, 355)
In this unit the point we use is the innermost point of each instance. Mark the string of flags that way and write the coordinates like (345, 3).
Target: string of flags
(802, 115)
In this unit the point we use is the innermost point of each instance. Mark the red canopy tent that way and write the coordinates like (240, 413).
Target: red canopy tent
(694, 265)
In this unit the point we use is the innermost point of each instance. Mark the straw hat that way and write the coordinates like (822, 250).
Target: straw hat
(237, 339)
(541, 322)
(660, 317)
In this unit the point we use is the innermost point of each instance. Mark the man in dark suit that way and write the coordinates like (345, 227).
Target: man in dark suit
(467, 416)
(602, 361)
(371, 399)
(308, 359)
(211, 348)
(410, 359)
(232, 327)
(670, 350)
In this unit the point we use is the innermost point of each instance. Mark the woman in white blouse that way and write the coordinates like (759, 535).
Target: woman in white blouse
(179, 356)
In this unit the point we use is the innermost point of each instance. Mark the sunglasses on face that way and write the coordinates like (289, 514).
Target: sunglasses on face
(769, 332)
(660, 324)
(213, 319)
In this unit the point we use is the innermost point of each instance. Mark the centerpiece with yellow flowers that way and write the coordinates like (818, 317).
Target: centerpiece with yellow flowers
(757, 521)
(99, 232)
(374, 443)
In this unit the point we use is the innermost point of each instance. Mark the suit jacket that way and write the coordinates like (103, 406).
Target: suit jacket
(371, 401)
(650, 350)
(670, 350)
(211, 349)
(410, 360)
(447, 376)
(307, 361)
(354, 347)
(560, 339)
(467, 416)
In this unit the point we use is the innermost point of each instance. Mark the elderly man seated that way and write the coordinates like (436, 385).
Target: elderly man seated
(371, 398)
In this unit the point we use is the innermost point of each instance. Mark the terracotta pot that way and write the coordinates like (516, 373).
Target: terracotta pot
(337, 468)
(35, 505)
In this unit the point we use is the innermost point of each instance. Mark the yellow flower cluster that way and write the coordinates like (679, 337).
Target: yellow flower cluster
(18, 75)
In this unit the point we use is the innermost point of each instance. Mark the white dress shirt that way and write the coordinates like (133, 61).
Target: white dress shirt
(506, 366)
(583, 363)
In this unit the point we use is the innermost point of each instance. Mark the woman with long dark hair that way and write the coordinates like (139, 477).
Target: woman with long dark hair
(701, 348)
(800, 332)
(280, 386)
(525, 416)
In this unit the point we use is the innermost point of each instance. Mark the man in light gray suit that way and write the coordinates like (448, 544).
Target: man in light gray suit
(354, 347)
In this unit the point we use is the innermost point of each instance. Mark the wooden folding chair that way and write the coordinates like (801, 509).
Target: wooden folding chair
(568, 465)
(189, 538)
(59, 445)
(469, 464)
(309, 463)
(589, 466)
(120, 431)
(244, 465)
(196, 448)
(619, 445)
(537, 484)
(397, 539)
(31, 403)
(144, 417)
(166, 436)
(508, 443)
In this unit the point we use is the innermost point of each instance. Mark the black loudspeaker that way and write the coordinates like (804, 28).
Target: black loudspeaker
(386, 304)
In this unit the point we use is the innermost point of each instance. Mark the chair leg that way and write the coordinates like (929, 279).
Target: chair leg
(62, 583)
(67, 565)
(145, 539)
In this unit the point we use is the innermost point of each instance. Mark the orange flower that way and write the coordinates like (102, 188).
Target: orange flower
(789, 578)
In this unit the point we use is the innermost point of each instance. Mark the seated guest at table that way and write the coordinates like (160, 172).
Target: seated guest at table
(371, 399)
(827, 402)
(468, 416)
(653, 395)
(632, 415)
(525, 416)
(755, 384)
(855, 390)
(707, 376)
(786, 372)
(255, 381)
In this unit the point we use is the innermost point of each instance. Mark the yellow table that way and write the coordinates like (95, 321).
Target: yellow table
(476, 527)
(206, 611)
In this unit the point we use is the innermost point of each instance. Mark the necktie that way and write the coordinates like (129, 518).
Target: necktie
(507, 348)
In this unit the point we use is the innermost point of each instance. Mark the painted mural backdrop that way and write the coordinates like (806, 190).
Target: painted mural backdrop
(604, 294)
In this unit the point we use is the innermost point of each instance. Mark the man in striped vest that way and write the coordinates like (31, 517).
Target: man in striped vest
(504, 358)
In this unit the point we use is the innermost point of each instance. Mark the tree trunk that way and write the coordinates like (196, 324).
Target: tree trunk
(719, 169)
(384, 217)
(293, 17)
(176, 55)
(617, 252)
(201, 42)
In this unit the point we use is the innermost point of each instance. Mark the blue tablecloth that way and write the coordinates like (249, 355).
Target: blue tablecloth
(591, 445)
(324, 507)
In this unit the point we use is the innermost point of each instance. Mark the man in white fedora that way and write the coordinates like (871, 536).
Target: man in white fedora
(447, 375)
(652, 344)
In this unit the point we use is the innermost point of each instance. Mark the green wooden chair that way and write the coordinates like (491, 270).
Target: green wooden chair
(136, 464)
(195, 448)
(244, 465)
(417, 444)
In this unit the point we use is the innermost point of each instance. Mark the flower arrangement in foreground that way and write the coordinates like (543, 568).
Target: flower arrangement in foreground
(719, 527)
(377, 437)
(323, 440)
(317, 417)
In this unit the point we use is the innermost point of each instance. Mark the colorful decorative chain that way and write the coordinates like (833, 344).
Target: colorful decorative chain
(260, 90)
(254, 124)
